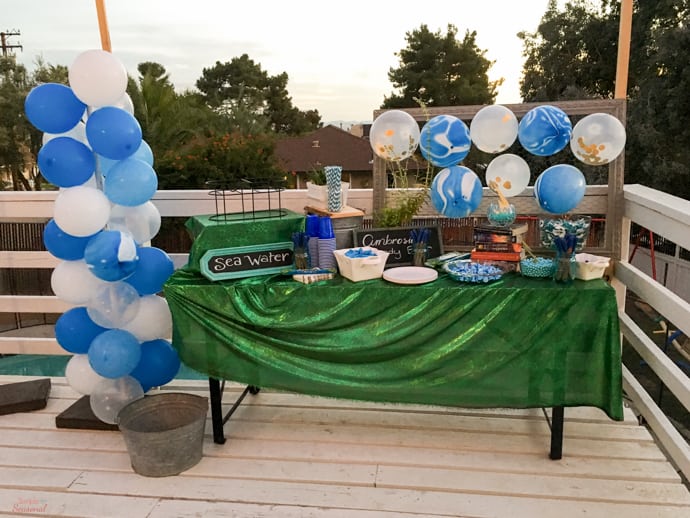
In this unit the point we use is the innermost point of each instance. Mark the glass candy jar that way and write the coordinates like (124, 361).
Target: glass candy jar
(501, 215)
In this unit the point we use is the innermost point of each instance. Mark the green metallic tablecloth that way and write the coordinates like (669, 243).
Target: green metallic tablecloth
(515, 343)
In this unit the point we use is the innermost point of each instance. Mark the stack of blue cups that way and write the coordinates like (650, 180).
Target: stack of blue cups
(312, 231)
(326, 243)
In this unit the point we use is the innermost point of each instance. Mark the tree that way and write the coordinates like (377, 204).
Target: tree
(572, 55)
(19, 139)
(241, 90)
(659, 135)
(227, 158)
(440, 70)
(167, 119)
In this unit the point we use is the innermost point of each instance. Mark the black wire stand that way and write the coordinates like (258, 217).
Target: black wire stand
(247, 199)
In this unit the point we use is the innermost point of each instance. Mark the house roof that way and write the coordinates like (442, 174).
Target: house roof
(328, 145)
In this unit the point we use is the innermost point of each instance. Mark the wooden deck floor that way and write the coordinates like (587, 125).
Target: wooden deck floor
(298, 456)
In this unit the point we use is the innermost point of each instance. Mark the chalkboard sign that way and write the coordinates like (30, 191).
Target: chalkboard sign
(247, 261)
(398, 243)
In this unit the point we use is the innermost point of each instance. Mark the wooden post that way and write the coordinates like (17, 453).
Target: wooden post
(621, 238)
(624, 35)
(103, 26)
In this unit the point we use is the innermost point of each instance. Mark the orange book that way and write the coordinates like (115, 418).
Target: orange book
(485, 255)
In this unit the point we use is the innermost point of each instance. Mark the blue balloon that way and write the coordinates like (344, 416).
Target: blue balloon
(456, 192)
(113, 133)
(74, 330)
(144, 153)
(545, 130)
(66, 162)
(111, 255)
(114, 353)
(105, 164)
(445, 140)
(53, 108)
(63, 245)
(560, 188)
(153, 269)
(130, 182)
(158, 365)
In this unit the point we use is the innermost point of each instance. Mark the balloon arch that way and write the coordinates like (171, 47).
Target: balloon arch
(102, 225)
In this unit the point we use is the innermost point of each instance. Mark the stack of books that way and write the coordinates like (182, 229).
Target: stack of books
(494, 243)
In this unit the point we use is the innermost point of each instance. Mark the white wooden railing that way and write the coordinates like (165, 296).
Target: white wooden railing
(661, 213)
(669, 217)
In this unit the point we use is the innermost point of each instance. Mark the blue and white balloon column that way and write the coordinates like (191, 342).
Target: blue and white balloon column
(102, 224)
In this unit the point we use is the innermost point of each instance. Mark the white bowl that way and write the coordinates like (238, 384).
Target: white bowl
(588, 266)
(361, 268)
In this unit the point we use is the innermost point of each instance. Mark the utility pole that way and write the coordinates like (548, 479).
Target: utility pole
(6, 46)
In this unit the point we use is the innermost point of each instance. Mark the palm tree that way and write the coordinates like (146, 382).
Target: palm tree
(168, 120)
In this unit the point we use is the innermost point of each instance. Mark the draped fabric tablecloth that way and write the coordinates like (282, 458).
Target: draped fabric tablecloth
(516, 343)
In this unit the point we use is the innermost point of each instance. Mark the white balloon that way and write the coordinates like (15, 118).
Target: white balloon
(80, 375)
(142, 221)
(598, 139)
(394, 135)
(494, 128)
(72, 281)
(91, 182)
(510, 172)
(125, 102)
(81, 211)
(113, 304)
(153, 320)
(78, 133)
(98, 78)
(112, 395)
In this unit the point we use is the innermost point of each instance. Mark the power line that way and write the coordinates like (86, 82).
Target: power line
(4, 43)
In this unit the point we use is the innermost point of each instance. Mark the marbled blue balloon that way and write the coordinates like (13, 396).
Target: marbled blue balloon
(111, 255)
(560, 188)
(445, 140)
(545, 130)
(456, 192)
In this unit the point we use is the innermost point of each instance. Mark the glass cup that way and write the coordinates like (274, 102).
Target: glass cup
(420, 254)
(301, 258)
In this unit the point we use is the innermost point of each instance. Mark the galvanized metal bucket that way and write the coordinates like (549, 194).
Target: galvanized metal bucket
(164, 433)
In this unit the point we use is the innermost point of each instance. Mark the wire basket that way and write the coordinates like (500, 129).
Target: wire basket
(251, 199)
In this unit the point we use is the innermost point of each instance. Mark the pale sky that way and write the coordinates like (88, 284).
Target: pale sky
(336, 54)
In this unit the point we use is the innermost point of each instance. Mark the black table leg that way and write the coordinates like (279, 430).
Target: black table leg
(216, 410)
(557, 414)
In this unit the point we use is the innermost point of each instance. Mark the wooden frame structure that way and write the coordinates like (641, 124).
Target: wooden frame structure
(527, 205)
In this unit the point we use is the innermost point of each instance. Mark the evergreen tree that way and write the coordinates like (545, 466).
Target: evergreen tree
(441, 70)
(241, 90)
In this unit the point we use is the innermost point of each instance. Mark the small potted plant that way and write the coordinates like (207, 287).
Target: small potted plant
(405, 203)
